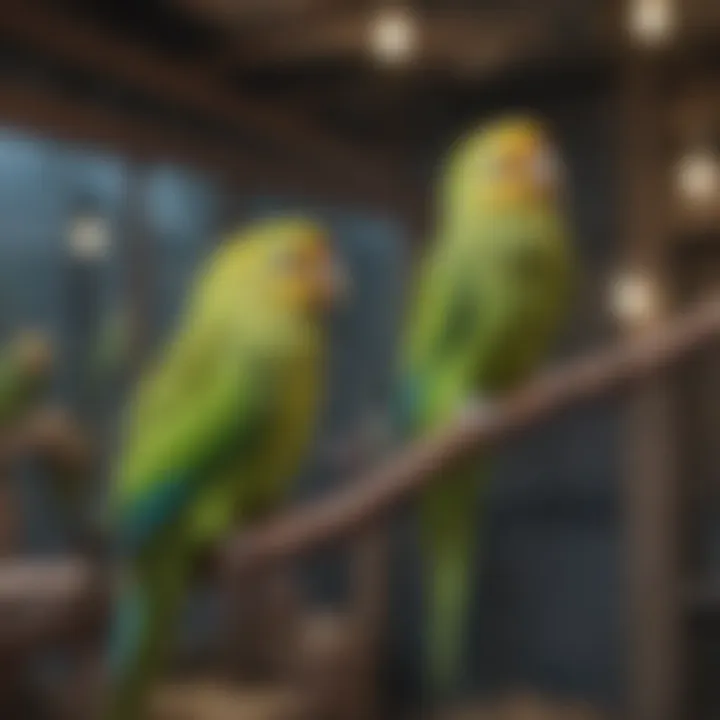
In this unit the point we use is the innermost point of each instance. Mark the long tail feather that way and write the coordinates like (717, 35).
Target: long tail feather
(449, 517)
(142, 637)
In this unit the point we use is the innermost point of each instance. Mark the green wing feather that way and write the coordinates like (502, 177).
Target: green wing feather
(171, 472)
(439, 376)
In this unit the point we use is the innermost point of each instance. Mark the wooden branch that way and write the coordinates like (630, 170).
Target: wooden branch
(368, 499)
(523, 705)
(49, 601)
(88, 49)
(363, 502)
(213, 701)
(50, 433)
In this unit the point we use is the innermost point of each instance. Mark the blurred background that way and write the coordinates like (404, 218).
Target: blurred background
(134, 133)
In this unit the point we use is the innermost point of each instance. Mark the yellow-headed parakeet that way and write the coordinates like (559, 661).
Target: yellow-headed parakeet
(489, 299)
(25, 366)
(218, 426)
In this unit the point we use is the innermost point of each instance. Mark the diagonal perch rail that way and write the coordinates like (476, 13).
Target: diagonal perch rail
(380, 492)
(68, 592)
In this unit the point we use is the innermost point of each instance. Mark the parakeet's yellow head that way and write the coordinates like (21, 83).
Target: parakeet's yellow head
(303, 271)
(283, 263)
(504, 164)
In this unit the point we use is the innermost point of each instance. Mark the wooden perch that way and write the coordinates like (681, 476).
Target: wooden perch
(361, 503)
(48, 600)
(364, 501)
(52, 434)
(528, 706)
(217, 702)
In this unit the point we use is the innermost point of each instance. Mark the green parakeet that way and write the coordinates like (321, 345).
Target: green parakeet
(218, 427)
(24, 374)
(490, 296)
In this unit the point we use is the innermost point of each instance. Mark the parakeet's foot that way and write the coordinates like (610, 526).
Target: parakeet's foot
(477, 409)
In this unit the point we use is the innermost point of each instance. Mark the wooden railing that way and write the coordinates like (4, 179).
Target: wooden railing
(368, 499)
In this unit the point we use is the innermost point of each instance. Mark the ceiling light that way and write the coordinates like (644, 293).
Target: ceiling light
(89, 237)
(652, 22)
(698, 177)
(393, 36)
(634, 298)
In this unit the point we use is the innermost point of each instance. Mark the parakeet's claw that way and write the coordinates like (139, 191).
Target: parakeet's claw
(476, 410)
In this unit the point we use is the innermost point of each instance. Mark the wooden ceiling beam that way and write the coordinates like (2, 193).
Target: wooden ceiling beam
(58, 116)
(88, 49)
(233, 14)
(476, 42)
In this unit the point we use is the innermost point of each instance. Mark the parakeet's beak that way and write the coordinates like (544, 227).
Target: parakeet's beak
(544, 172)
(529, 169)
(332, 287)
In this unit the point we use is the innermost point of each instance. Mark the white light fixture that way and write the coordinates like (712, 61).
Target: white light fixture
(393, 35)
(634, 298)
(697, 177)
(89, 237)
(652, 22)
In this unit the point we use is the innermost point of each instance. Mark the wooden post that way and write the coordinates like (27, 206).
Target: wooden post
(8, 514)
(368, 610)
(260, 627)
(11, 681)
(649, 471)
(139, 265)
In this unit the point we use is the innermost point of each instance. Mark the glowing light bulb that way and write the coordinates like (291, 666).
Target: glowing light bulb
(698, 177)
(90, 238)
(393, 35)
(634, 298)
(652, 22)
